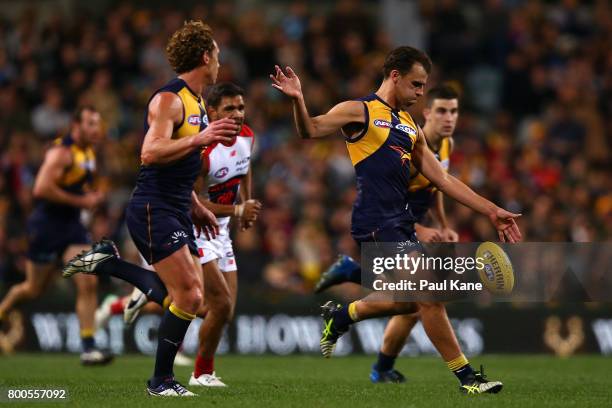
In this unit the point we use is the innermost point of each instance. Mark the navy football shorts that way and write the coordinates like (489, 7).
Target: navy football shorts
(400, 232)
(158, 230)
(49, 236)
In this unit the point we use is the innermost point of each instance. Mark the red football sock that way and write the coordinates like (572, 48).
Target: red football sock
(203, 366)
(117, 307)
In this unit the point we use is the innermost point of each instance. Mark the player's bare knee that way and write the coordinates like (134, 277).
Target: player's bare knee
(193, 298)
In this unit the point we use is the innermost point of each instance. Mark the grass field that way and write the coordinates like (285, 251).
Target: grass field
(265, 381)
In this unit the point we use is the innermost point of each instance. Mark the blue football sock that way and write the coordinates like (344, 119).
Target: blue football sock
(172, 329)
(464, 374)
(147, 281)
(342, 318)
(88, 343)
(384, 362)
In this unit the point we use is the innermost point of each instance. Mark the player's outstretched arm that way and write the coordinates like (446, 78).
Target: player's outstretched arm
(46, 186)
(165, 111)
(319, 126)
(426, 162)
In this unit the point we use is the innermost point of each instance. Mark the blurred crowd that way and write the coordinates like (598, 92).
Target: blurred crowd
(535, 79)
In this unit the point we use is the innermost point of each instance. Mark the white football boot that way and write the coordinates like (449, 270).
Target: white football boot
(206, 380)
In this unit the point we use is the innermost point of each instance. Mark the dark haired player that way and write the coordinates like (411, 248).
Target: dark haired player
(163, 204)
(227, 174)
(55, 233)
(383, 141)
(441, 114)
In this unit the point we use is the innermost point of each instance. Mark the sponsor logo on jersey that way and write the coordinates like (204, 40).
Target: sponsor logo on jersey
(382, 123)
(194, 120)
(229, 254)
(406, 129)
(205, 119)
(222, 172)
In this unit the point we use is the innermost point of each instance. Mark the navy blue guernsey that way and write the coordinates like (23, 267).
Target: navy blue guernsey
(171, 184)
(381, 155)
(74, 179)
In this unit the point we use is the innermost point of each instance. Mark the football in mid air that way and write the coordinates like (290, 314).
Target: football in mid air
(497, 273)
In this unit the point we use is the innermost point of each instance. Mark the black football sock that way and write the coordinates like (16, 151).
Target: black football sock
(87, 339)
(345, 316)
(172, 329)
(147, 281)
(461, 368)
(384, 362)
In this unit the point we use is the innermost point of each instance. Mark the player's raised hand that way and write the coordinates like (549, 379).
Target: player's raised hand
(222, 130)
(286, 82)
(504, 222)
(204, 221)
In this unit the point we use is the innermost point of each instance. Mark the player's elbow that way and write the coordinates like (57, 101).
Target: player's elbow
(148, 157)
(39, 191)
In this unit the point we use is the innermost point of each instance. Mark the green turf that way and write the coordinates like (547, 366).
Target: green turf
(529, 381)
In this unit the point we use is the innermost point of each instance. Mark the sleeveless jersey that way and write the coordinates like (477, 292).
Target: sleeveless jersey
(227, 165)
(171, 184)
(381, 155)
(422, 192)
(75, 178)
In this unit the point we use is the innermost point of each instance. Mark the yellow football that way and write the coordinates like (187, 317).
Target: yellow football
(496, 272)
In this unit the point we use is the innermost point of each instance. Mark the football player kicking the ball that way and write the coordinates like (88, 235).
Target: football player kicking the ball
(441, 114)
(382, 140)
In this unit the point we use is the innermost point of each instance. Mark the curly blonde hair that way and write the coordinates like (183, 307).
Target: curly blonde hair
(187, 44)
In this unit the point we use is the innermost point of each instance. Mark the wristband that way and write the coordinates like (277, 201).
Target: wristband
(238, 210)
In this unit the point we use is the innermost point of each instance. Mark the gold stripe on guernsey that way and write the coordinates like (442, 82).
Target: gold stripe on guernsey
(83, 161)
(419, 182)
(193, 114)
(379, 128)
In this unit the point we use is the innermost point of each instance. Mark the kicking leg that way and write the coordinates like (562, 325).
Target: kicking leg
(103, 258)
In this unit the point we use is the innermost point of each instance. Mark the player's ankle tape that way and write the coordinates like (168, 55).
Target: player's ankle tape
(180, 313)
(456, 363)
(352, 311)
(87, 333)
